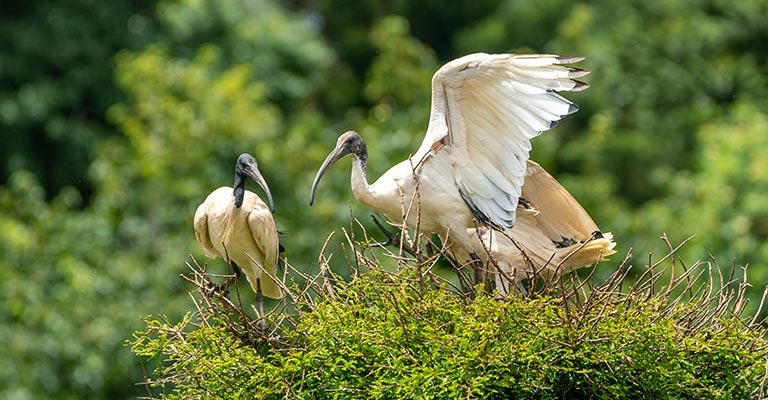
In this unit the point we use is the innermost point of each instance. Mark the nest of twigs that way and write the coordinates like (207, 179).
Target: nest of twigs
(702, 310)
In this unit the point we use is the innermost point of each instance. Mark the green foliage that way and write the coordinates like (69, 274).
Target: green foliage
(80, 275)
(56, 82)
(283, 52)
(64, 305)
(645, 65)
(661, 77)
(725, 194)
(188, 116)
(117, 118)
(393, 335)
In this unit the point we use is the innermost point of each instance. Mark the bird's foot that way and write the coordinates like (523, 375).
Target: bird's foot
(220, 288)
(223, 287)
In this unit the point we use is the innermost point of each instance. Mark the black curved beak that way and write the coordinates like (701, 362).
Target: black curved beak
(255, 174)
(340, 151)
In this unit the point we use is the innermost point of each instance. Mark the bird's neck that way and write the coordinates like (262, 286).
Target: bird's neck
(360, 186)
(239, 190)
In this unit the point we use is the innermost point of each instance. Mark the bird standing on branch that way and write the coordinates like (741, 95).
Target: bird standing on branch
(236, 225)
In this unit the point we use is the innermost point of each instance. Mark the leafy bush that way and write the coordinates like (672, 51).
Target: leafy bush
(410, 334)
(117, 118)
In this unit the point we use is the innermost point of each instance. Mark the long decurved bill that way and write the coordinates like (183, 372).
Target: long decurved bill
(337, 153)
(255, 174)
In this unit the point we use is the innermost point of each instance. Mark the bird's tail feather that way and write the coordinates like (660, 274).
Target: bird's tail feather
(269, 287)
(593, 251)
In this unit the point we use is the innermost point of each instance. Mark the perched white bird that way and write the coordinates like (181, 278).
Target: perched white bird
(554, 233)
(470, 168)
(236, 225)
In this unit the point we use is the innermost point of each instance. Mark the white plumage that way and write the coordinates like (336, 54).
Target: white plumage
(553, 230)
(470, 168)
(485, 110)
(236, 225)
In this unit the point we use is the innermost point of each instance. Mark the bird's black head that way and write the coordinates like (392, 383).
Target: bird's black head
(348, 143)
(247, 167)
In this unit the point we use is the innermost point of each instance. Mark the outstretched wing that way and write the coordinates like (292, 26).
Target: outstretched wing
(485, 110)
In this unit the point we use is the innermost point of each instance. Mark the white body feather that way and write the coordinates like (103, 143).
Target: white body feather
(554, 235)
(247, 236)
(470, 168)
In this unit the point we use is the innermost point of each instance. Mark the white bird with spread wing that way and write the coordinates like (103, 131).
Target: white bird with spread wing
(470, 168)
(236, 225)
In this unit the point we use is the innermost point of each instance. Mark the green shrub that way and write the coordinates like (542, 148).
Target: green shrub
(414, 335)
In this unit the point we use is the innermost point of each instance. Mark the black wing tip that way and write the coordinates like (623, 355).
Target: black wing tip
(570, 59)
(574, 72)
(579, 86)
(482, 218)
(565, 242)
(572, 108)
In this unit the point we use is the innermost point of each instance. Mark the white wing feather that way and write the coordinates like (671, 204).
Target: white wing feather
(485, 110)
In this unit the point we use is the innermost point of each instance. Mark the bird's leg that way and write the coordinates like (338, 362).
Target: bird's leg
(231, 279)
(260, 303)
(430, 250)
(393, 239)
(479, 268)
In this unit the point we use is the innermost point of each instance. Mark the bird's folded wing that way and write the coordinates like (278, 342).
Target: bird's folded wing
(485, 110)
(201, 232)
(265, 235)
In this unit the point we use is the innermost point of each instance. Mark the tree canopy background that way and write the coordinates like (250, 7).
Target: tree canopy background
(118, 118)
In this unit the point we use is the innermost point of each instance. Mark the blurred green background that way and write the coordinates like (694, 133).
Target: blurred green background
(117, 119)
